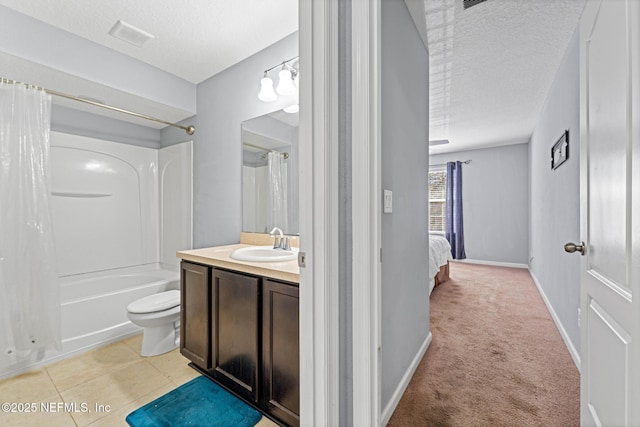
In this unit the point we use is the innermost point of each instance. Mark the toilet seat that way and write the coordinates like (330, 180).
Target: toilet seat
(156, 302)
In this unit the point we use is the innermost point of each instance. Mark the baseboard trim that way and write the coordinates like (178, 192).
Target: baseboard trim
(495, 263)
(406, 378)
(575, 355)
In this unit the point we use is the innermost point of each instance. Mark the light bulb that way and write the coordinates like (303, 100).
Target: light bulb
(285, 83)
(267, 94)
(291, 108)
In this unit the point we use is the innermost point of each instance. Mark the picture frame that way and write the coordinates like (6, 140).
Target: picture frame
(560, 151)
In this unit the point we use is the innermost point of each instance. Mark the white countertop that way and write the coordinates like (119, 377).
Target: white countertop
(219, 256)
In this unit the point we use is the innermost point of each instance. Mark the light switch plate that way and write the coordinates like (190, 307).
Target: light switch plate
(388, 201)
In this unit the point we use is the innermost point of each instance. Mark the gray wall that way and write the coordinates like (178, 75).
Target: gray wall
(33, 40)
(82, 123)
(405, 247)
(224, 102)
(555, 195)
(495, 198)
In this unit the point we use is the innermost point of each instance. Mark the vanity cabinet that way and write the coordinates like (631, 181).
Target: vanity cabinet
(194, 313)
(281, 351)
(242, 330)
(235, 317)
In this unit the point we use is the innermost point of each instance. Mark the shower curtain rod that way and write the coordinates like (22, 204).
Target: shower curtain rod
(189, 129)
(285, 154)
(466, 162)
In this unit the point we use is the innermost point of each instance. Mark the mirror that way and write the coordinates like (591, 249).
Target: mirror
(270, 173)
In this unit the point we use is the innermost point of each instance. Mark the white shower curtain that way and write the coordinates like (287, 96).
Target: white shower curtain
(29, 288)
(278, 216)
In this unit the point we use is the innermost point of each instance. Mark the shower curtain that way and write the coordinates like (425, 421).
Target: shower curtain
(29, 288)
(277, 216)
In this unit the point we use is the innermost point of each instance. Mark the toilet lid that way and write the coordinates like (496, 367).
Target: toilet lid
(156, 302)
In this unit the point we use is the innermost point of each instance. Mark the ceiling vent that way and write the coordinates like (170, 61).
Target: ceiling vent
(468, 3)
(127, 32)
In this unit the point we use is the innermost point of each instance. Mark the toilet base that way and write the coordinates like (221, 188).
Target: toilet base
(160, 339)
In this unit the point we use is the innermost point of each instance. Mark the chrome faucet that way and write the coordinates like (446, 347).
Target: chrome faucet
(277, 243)
(280, 242)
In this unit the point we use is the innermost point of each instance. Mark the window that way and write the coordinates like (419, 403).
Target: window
(437, 199)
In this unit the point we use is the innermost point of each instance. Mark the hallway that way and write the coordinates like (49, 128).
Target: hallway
(496, 357)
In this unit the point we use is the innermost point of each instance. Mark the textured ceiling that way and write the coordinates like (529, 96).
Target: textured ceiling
(492, 66)
(194, 39)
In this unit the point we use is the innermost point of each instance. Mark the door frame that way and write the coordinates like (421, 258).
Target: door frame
(319, 198)
(366, 210)
(319, 202)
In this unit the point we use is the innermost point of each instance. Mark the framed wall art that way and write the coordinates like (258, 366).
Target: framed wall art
(560, 150)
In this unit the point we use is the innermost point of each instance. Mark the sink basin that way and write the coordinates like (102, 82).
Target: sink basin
(263, 254)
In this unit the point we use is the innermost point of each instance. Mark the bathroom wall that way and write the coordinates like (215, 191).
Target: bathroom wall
(23, 38)
(224, 102)
(70, 121)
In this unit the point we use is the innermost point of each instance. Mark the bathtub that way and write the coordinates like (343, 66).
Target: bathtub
(94, 305)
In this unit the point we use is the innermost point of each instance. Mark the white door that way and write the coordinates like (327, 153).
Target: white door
(610, 212)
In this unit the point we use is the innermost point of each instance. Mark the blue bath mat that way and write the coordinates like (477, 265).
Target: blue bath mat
(200, 402)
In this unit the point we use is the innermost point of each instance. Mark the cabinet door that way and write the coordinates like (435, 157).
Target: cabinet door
(194, 313)
(234, 331)
(281, 351)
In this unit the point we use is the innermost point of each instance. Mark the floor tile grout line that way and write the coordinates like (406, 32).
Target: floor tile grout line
(122, 365)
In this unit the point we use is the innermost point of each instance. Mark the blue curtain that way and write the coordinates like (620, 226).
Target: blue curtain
(454, 229)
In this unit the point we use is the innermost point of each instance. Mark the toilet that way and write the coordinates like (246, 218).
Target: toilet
(159, 315)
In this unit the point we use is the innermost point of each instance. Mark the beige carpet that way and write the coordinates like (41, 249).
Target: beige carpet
(496, 358)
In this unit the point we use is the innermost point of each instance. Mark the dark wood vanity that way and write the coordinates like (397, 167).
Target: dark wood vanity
(242, 330)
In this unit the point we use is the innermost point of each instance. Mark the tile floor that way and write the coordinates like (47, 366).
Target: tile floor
(97, 388)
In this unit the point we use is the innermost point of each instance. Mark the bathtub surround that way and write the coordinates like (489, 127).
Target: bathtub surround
(30, 322)
(120, 212)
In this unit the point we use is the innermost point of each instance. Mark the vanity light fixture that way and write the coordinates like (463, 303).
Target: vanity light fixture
(267, 94)
(287, 84)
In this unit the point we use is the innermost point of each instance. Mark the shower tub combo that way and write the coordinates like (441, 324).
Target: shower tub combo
(119, 214)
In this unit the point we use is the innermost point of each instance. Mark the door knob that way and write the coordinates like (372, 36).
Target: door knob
(572, 247)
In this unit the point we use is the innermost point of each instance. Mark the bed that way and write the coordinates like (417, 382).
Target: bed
(439, 256)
